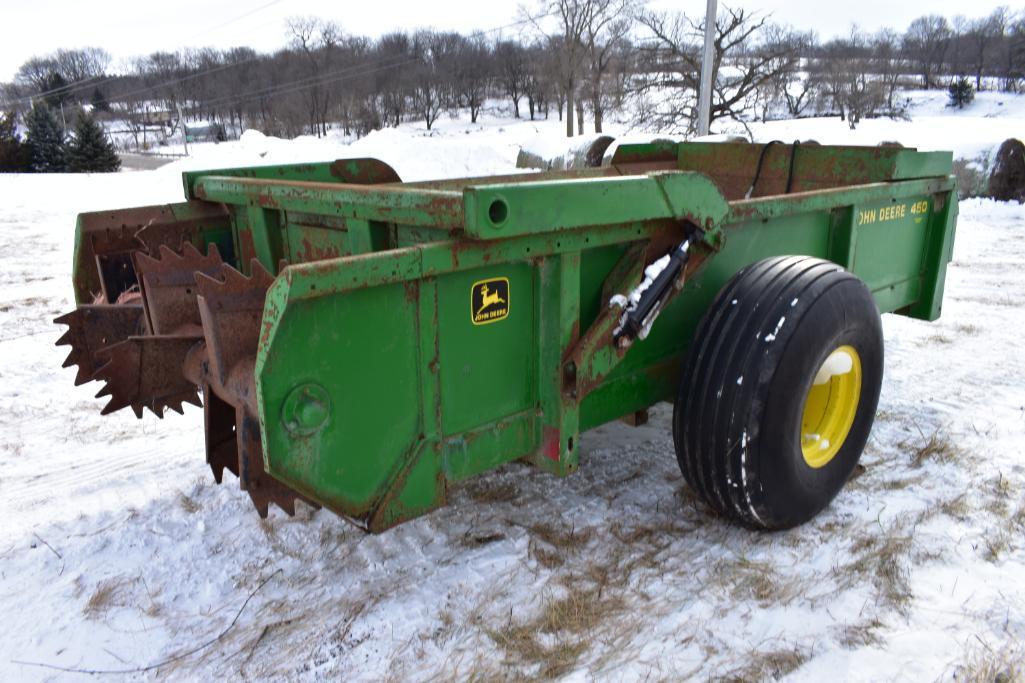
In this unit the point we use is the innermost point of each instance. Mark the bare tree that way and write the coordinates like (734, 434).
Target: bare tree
(513, 71)
(745, 57)
(845, 74)
(926, 43)
(540, 85)
(1013, 55)
(82, 64)
(315, 39)
(982, 36)
(572, 18)
(163, 74)
(431, 77)
(789, 86)
(605, 32)
(887, 60)
(473, 72)
(395, 54)
(35, 72)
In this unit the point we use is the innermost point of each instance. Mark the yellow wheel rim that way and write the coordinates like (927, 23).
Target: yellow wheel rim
(830, 406)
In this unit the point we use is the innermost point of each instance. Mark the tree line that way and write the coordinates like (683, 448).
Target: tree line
(576, 59)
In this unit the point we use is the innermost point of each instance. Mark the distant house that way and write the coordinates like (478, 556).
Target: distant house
(204, 131)
(153, 117)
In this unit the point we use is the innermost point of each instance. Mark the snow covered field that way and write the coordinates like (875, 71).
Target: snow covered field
(118, 552)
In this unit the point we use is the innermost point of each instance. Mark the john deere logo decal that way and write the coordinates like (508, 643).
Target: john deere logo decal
(489, 301)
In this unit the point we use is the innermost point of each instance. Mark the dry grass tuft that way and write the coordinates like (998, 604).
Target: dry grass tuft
(555, 639)
(986, 665)
(106, 595)
(745, 579)
(937, 447)
(939, 339)
(549, 559)
(768, 666)
(881, 555)
(581, 610)
(1000, 491)
(523, 647)
(956, 507)
(550, 545)
(485, 490)
(995, 544)
(1017, 519)
(187, 503)
(862, 634)
(967, 329)
(559, 537)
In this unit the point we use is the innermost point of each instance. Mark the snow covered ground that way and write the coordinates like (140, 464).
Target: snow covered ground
(970, 132)
(455, 147)
(118, 552)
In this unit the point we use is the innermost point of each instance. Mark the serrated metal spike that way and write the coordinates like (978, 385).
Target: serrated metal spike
(146, 372)
(92, 327)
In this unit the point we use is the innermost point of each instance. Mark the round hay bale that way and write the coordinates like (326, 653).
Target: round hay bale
(596, 151)
(1007, 179)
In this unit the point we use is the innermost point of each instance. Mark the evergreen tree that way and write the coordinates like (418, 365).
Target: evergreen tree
(961, 93)
(99, 100)
(55, 90)
(45, 141)
(89, 150)
(14, 157)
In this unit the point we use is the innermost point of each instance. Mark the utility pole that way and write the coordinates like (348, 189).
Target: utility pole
(705, 93)
(185, 133)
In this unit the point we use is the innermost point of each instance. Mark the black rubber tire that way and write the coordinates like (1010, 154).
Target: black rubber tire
(737, 417)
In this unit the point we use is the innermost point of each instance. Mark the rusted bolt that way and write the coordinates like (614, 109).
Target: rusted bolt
(306, 409)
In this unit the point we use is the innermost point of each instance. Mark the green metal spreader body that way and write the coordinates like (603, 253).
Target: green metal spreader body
(416, 334)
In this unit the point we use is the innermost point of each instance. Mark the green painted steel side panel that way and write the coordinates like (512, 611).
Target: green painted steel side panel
(479, 450)
(595, 266)
(362, 350)
(309, 237)
(487, 368)
(890, 239)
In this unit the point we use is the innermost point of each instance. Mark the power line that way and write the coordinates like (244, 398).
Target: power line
(357, 71)
(343, 74)
(232, 21)
(346, 73)
(87, 83)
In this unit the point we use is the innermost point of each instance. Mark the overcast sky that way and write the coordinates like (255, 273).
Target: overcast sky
(128, 28)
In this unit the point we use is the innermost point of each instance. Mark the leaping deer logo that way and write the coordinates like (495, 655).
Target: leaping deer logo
(488, 299)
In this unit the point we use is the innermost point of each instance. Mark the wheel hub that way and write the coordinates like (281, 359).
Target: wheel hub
(830, 406)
